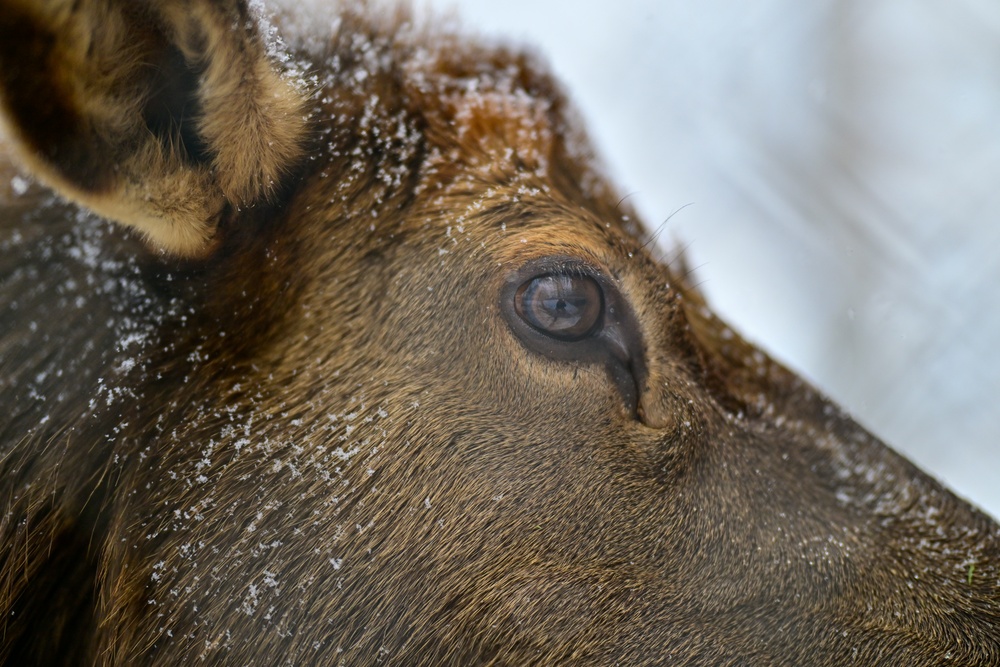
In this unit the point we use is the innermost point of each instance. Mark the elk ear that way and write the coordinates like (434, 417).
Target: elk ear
(159, 114)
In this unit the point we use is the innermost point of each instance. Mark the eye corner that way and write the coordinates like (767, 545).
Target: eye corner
(609, 338)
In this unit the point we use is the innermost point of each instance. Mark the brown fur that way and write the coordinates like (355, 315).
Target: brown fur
(329, 439)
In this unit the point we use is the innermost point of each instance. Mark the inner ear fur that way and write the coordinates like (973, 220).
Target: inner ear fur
(158, 114)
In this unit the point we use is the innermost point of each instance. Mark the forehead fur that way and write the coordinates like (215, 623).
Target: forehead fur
(456, 116)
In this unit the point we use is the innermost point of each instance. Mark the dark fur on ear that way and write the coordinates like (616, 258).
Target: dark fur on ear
(158, 115)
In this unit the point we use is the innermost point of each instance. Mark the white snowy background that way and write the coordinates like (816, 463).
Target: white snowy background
(832, 168)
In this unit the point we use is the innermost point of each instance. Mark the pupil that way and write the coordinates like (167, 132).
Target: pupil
(561, 307)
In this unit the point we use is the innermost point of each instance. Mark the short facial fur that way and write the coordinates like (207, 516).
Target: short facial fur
(303, 419)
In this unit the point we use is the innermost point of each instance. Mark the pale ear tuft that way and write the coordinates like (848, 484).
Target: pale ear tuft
(161, 115)
(252, 117)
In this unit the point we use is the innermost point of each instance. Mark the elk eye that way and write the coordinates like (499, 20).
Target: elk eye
(566, 307)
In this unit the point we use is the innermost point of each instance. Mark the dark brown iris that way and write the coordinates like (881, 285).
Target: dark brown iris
(567, 307)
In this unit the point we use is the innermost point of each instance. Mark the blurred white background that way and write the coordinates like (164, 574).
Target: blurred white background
(841, 160)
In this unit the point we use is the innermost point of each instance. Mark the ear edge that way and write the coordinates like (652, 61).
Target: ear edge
(252, 117)
(171, 175)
